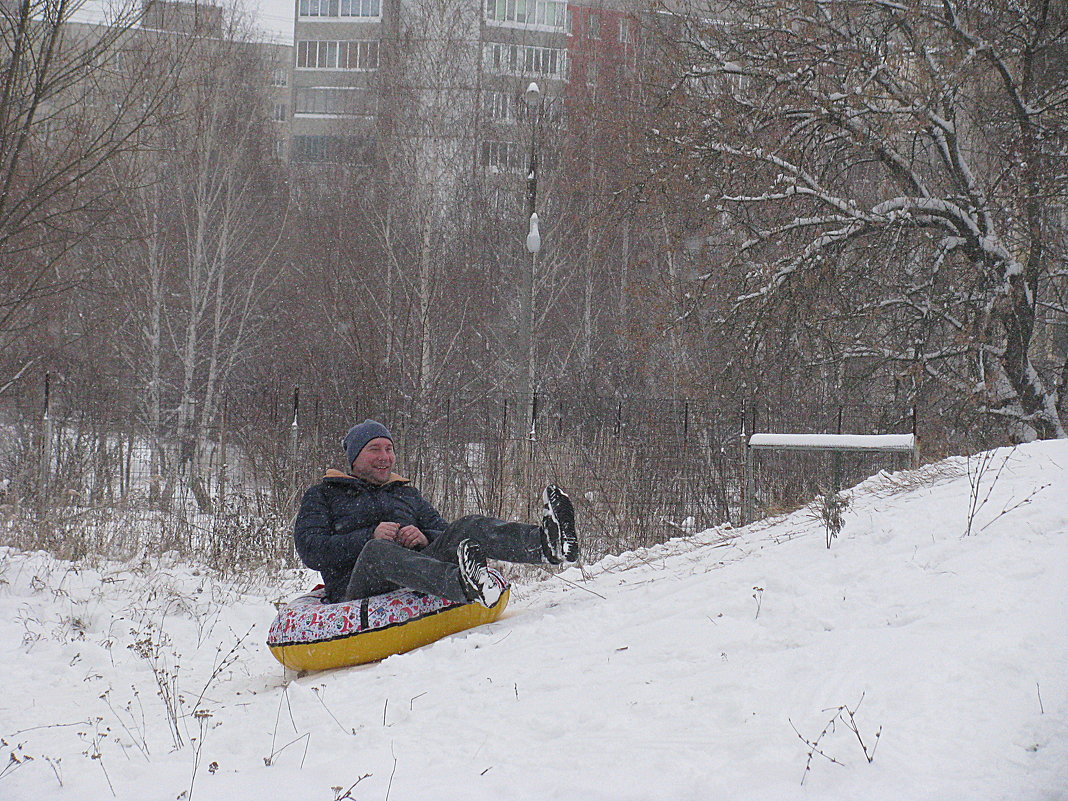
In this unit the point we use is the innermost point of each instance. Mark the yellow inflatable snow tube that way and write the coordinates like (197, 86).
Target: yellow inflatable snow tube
(310, 635)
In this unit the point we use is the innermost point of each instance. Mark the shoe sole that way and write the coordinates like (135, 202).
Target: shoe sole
(563, 539)
(470, 552)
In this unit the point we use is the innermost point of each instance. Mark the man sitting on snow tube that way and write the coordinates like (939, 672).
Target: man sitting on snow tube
(369, 531)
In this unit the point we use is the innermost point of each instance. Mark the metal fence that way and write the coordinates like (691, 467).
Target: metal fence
(640, 470)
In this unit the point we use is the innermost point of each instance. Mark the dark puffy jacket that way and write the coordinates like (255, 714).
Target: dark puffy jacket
(338, 516)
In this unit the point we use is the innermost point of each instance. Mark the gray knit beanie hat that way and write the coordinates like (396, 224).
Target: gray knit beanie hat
(360, 435)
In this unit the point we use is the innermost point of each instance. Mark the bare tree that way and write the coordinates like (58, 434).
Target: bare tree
(891, 177)
(203, 225)
(421, 202)
(72, 99)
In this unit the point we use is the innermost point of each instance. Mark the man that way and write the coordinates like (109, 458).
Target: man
(370, 531)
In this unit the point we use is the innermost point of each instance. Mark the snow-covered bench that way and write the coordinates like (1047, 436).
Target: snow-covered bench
(874, 443)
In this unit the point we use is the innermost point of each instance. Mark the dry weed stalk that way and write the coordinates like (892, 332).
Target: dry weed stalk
(847, 717)
(341, 794)
(977, 467)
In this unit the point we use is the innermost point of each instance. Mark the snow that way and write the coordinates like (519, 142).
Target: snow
(694, 670)
(882, 442)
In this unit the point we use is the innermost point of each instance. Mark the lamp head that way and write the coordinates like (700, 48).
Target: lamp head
(534, 235)
(533, 95)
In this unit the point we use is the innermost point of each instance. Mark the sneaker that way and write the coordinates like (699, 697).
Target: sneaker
(559, 540)
(478, 583)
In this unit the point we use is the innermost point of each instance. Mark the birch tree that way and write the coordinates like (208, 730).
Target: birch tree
(73, 98)
(421, 206)
(896, 173)
(204, 223)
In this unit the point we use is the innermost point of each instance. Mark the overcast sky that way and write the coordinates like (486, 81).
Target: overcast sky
(275, 17)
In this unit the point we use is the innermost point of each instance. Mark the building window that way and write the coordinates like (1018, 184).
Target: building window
(545, 14)
(280, 112)
(340, 8)
(329, 100)
(310, 148)
(500, 106)
(509, 59)
(505, 202)
(502, 156)
(626, 30)
(593, 25)
(333, 149)
(280, 76)
(332, 55)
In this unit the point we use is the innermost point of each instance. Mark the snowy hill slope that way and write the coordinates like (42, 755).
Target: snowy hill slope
(708, 668)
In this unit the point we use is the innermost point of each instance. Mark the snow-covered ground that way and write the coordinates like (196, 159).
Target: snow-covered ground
(729, 665)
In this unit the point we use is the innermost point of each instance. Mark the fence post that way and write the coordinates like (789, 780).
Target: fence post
(45, 459)
(127, 470)
(747, 502)
(532, 442)
(220, 482)
(743, 492)
(294, 430)
(836, 469)
(532, 437)
(318, 438)
(496, 495)
(915, 462)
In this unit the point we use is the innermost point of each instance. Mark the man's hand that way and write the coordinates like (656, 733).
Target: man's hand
(408, 536)
(386, 531)
(411, 537)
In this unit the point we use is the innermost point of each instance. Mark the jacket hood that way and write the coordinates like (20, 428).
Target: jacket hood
(339, 475)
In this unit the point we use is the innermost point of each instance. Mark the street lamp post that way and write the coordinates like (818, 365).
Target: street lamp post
(533, 100)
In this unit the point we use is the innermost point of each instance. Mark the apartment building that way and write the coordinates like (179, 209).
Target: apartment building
(371, 71)
(337, 56)
(203, 19)
(162, 22)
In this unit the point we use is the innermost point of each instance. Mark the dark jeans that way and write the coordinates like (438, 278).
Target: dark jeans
(383, 565)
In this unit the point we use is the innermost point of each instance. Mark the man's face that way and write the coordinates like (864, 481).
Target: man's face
(375, 462)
